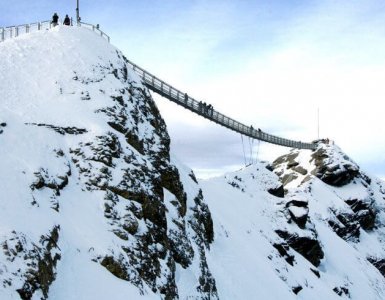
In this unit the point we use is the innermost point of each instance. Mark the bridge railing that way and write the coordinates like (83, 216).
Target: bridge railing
(18, 30)
(177, 96)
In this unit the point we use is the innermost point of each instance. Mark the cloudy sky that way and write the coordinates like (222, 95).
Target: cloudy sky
(270, 64)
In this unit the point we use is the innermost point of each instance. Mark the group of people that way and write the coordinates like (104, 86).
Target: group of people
(206, 109)
(252, 129)
(55, 20)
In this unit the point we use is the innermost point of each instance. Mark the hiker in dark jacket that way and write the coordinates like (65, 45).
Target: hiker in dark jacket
(67, 21)
(55, 19)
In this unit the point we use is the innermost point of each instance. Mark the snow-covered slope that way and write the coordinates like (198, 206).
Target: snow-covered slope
(321, 237)
(94, 206)
(90, 205)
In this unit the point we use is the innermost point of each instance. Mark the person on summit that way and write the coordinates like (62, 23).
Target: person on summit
(55, 19)
(67, 21)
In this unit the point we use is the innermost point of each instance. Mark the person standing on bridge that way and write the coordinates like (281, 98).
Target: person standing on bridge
(205, 107)
(185, 98)
(55, 19)
(210, 110)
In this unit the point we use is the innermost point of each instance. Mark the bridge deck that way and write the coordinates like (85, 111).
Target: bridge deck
(160, 87)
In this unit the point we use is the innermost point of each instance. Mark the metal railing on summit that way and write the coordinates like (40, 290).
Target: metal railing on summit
(95, 28)
(17, 30)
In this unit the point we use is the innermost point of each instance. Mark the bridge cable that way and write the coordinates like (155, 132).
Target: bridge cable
(251, 143)
(256, 159)
(243, 147)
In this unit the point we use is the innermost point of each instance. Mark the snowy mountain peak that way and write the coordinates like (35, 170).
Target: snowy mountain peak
(311, 220)
(88, 192)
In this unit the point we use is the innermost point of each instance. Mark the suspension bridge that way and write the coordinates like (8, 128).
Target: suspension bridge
(169, 92)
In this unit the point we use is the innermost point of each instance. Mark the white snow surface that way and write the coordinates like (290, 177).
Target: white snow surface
(242, 258)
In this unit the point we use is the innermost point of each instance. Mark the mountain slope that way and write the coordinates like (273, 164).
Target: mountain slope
(91, 206)
(320, 239)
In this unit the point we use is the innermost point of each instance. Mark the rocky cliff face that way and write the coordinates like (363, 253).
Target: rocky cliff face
(354, 202)
(309, 225)
(87, 179)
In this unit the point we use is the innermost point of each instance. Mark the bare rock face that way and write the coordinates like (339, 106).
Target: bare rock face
(364, 211)
(309, 247)
(40, 258)
(153, 225)
(143, 227)
(379, 263)
(336, 173)
(278, 192)
(345, 226)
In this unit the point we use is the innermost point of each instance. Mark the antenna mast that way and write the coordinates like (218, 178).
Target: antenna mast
(77, 12)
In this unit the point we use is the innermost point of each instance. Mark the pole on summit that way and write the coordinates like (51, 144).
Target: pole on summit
(77, 12)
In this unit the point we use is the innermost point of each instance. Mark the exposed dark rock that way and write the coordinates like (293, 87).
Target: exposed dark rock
(131, 225)
(342, 291)
(114, 267)
(308, 247)
(192, 176)
(299, 215)
(3, 124)
(236, 182)
(298, 203)
(364, 213)
(57, 183)
(316, 272)
(296, 289)
(292, 164)
(346, 226)
(278, 192)
(287, 178)
(366, 218)
(43, 259)
(203, 223)
(300, 170)
(283, 249)
(61, 130)
(85, 96)
(298, 210)
(378, 263)
(332, 173)
(287, 158)
(170, 181)
(154, 211)
(135, 141)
